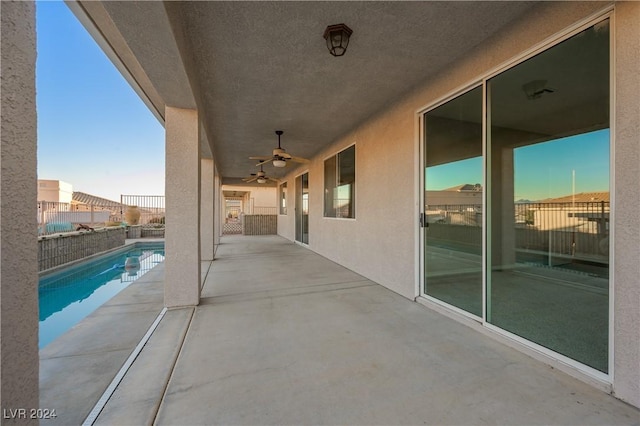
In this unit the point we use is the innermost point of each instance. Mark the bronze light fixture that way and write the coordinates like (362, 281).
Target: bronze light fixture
(337, 37)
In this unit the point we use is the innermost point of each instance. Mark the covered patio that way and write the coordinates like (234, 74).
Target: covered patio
(284, 336)
(326, 331)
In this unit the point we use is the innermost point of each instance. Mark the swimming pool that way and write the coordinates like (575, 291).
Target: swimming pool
(68, 295)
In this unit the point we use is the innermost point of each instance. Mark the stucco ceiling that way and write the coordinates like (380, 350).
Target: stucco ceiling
(253, 67)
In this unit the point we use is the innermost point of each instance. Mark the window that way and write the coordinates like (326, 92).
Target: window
(339, 184)
(283, 198)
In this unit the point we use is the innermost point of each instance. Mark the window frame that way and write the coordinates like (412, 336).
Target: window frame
(335, 156)
(283, 189)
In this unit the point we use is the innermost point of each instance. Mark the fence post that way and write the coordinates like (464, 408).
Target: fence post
(92, 220)
(44, 206)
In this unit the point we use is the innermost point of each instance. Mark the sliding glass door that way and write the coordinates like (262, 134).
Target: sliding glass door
(530, 202)
(453, 202)
(302, 208)
(548, 161)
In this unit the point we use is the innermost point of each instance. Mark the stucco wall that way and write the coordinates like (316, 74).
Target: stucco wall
(263, 196)
(18, 232)
(626, 202)
(381, 243)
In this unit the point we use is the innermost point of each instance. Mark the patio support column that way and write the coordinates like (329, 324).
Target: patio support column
(217, 224)
(626, 270)
(18, 229)
(206, 208)
(182, 190)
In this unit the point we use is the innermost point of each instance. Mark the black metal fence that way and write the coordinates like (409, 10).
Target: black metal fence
(570, 229)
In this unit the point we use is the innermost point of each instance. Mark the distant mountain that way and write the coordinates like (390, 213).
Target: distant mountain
(523, 201)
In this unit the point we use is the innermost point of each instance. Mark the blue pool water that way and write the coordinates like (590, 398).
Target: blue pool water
(69, 295)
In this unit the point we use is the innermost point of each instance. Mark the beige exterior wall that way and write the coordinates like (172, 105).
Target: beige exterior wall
(382, 242)
(18, 237)
(626, 204)
(54, 190)
(262, 196)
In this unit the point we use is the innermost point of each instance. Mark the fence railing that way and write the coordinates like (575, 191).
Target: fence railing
(579, 229)
(151, 208)
(56, 218)
(263, 210)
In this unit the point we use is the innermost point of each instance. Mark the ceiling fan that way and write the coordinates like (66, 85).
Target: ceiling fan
(280, 156)
(261, 177)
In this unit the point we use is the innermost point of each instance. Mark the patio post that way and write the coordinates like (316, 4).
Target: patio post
(206, 208)
(18, 228)
(182, 190)
(217, 211)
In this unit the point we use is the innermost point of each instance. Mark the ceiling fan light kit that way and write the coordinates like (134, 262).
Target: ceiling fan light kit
(279, 157)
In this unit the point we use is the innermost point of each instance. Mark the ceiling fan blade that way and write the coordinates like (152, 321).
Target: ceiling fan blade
(265, 162)
(259, 158)
(275, 180)
(250, 180)
(300, 160)
(285, 156)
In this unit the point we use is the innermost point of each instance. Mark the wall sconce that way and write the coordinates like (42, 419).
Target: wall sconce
(337, 37)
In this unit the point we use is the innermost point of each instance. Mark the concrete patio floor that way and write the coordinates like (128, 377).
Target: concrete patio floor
(285, 336)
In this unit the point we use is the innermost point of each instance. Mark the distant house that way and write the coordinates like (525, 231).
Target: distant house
(586, 212)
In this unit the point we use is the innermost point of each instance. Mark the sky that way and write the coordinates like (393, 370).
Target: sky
(94, 131)
(543, 170)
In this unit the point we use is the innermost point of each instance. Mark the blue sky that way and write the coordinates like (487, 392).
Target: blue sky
(542, 170)
(94, 131)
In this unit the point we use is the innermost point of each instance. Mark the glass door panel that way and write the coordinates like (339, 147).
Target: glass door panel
(453, 202)
(548, 173)
(302, 208)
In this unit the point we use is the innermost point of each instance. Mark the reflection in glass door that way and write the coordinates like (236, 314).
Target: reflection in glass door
(548, 167)
(302, 208)
(453, 202)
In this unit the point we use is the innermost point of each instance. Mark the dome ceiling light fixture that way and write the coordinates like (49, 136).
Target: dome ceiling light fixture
(337, 37)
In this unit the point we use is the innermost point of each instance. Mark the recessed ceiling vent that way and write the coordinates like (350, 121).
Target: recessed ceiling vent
(536, 88)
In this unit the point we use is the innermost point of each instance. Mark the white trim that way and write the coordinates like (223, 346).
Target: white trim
(418, 176)
(486, 250)
(295, 206)
(612, 192)
(452, 308)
